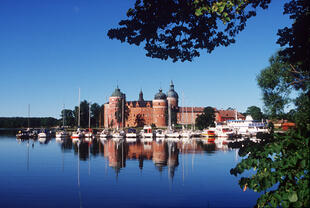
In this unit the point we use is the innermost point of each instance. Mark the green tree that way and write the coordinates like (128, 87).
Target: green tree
(206, 119)
(179, 29)
(68, 117)
(139, 121)
(255, 112)
(84, 114)
(121, 106)
(275, 83)
(95, 113)
(281, 162)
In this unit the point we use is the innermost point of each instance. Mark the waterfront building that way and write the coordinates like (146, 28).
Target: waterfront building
(154, 112)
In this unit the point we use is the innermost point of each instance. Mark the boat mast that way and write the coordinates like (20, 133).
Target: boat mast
(28, 116)
(79, 116)
(63, 116)
(123, 112)
(169, 115)
(182, 114)
(89, 115)
(192, 117)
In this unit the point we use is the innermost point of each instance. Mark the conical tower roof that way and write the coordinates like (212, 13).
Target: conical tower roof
(171, 93)
(117, 93)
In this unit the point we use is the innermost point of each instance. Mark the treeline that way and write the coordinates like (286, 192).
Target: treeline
(96, 115)
(22, 122)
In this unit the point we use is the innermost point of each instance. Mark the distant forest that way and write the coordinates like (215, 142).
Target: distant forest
(22, 122)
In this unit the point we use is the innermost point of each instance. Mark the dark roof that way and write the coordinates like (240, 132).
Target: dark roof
(117, 93)
(160, 95)
(171, 92)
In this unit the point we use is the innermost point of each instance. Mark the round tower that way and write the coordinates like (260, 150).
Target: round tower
(116, 96)
(173, 97)
(160, 109)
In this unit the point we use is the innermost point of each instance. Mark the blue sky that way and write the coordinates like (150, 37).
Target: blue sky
(50, 48)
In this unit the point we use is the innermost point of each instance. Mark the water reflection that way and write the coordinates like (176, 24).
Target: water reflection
(163, 153)
(181, 173)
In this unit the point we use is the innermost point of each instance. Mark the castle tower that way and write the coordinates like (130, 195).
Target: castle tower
(173, 100)
(173, 96)
(141, 96)
(110, 120)
(160, 109)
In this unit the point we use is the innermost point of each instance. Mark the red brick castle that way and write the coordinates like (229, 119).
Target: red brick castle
(147, 112)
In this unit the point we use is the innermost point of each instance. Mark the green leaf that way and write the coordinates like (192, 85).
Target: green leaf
(293, 197)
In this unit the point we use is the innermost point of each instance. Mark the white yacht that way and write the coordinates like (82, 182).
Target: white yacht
(43, 134)
(61, 134)
(131, 133)
(104, 134)
(77, 134)
(224, 131)
(89, 134)
(160, 133)
(186, 134)
(147, 132)
(173, 134)
(118, 135)
(247, 127)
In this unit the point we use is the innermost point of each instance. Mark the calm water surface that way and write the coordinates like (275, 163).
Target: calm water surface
(55, 173)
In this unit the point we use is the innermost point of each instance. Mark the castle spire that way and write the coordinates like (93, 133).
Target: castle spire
(171, 85)
(141, 95)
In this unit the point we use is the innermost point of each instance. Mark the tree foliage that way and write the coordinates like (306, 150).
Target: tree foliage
(206, 119)
(95, 110)
(139, 120)
(255, 112)
(281, 163)
(275, 84)
(22, 122)
(95, 114)
(118, 113)
(281, 166)
(178, 29)
(68, 117)
(297, 42)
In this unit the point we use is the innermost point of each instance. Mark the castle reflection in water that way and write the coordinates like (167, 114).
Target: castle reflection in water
(162, 153)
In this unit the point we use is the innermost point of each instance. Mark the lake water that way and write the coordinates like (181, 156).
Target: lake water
(170, 174)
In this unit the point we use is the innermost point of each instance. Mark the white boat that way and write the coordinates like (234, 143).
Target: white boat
(61, 134)
(42, 135)
(147, 132)
(104, 134)
(131, 139)
(186, 134)
(224, 131)
(42, 140)
(77, 135)
(196, 134)
(131, 133)
(247, 127)
(88, 134)
(173, 134)
(160, 134)
(118, 135)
